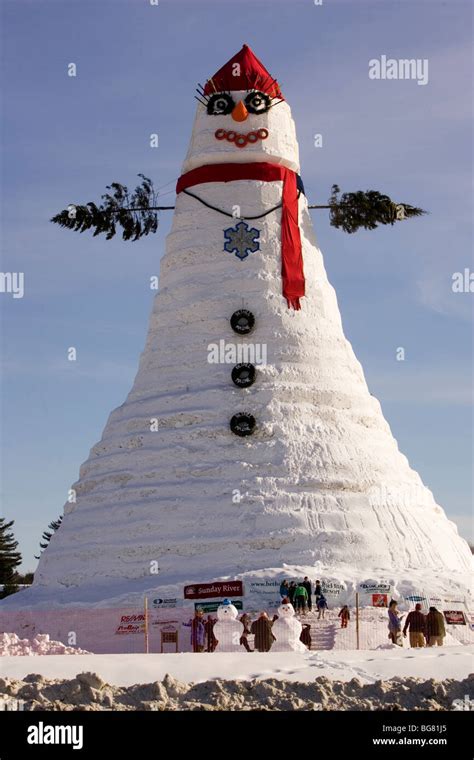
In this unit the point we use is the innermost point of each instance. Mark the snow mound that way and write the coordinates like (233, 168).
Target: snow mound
(11, 644)
(88, 691)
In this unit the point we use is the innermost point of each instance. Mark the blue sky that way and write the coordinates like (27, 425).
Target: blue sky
(64, 139)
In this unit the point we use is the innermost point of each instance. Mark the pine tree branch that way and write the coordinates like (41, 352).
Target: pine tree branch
(369, 209)
(137, 213)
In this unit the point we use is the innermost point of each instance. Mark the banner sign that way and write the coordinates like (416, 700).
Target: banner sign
(212, 606)
(264, 587)
(332, 588)
(161, 603)
(373, 587)
(414, 598)
(158, 623)
(212, 590)
(455, 617)
(379, 600)
(262, 594)
(131, 624)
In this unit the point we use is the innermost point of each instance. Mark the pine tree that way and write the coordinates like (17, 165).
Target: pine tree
(10, 558)
(47, 534)
(25, 579)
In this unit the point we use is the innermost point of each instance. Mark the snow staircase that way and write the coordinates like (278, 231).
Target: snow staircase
(323, 632)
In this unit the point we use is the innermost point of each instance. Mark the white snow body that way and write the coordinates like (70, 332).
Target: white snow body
(287, 631)
(228, 629)
(321, 482)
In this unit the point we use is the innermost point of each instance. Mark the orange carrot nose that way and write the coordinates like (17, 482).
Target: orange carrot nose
(240, 113)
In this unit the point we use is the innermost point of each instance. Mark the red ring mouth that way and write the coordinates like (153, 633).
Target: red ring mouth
(241, 140)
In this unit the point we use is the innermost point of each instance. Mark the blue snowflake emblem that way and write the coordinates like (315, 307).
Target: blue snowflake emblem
(241, 240)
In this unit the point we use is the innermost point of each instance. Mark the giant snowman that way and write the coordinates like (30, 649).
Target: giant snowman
(249, 443)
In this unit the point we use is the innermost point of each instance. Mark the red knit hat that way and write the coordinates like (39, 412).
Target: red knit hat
(243, 72)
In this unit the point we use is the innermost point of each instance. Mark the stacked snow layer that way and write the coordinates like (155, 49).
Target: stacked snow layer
(11, 644)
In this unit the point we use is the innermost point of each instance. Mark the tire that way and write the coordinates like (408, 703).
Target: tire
(243, 424)
(243, 375)
(242, 321)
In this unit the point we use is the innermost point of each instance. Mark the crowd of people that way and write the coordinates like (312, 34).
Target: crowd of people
(204, 640)
(424, 630)
(300, 594)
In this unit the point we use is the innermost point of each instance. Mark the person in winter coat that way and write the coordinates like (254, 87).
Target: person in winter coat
(198, 631)
(309, 590)
(284, 589)
(435, 627)
(318, 592)
(345, 616)
(301, 599)
(246, 622)
(305, 636)
(291, 592)
(416, 624)
(262, 630)
(211, 639)
(322, 606)
(395, 624)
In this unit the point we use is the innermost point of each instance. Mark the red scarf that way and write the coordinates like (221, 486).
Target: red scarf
(291, 255)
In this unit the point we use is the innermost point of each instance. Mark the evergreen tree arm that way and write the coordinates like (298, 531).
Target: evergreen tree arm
(366, 209)
(135, 214)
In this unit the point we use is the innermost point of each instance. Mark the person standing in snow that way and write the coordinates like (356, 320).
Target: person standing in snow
(309, 590)
(301, 599)
(262, 630)
(345, 616)
(305, 637)
(322, 606)
(435, 627)
(416, 624)
(395, 624)
(284, 589)
(211, 639)
(291, 592)
(198, 631)
(318, 592)
(246, 622)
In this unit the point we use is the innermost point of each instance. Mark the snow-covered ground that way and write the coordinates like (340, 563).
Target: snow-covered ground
(368, 667)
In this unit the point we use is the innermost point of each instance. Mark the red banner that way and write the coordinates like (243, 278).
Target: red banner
(212, 590)
(455, 617)
(379, 600)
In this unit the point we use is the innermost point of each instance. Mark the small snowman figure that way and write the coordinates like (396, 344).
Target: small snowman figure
(228, 630)
(287, 630)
